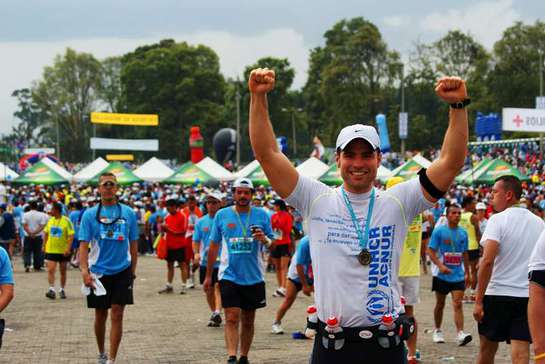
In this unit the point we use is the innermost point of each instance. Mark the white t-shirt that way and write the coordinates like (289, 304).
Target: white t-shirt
(516, 230)
(34, 219)
(537, 259)
(357, 295)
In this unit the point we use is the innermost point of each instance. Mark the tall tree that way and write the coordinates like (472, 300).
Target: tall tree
(67, 93)
(353, 75)
(180, 82)
(32, 126)
(514, 79)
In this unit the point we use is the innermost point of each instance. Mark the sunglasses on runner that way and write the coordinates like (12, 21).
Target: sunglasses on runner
(108, 184)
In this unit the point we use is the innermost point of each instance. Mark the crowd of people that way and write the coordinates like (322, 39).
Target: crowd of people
(358, 249)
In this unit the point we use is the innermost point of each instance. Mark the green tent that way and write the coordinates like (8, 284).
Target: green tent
(332, 176)
(189, 174)
(123, 175)
(40, 174)
(408, 170)
(494, 169)
(258, 177)
(466, 177)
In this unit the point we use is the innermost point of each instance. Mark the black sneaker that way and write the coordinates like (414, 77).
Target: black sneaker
(62, 295)
(167, 289)
(232, 360)
(27, 269)
(50, 294)
(243, 360)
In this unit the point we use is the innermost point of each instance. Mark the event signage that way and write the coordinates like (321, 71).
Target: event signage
(120, 157)
(39, 151)
(528, 120)
(403, 125)
(124, 119)
(149, 145)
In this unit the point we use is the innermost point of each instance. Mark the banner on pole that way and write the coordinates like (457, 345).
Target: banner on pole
(124, 119)
(148, 145)
(403, 125)
(532, 120)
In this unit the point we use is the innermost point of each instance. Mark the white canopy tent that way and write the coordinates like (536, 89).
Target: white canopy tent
(383, 173)
(153, 171)
(91, 170)
(6, 173)
(60, 170)
(421, 160)
(215, 169)
(249, 168)
(312, 168)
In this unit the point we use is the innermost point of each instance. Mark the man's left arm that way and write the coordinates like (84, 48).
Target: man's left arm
(486, 265)
(442, 171)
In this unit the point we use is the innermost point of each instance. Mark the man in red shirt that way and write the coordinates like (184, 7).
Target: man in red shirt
(174, 229)
(282, 223)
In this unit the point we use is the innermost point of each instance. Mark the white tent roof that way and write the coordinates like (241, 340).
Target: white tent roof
(383, 172)
(215, 169)
(91, 170)
(6, 173)
(60, 170)
(247, 169)
(421, 160)
(153, 171)
(312, 168)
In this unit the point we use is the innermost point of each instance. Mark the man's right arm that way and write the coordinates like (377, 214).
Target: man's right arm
(281, 174)
(6, 295)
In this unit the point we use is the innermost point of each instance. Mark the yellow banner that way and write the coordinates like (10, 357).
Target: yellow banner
(120, 157)
(124, 119)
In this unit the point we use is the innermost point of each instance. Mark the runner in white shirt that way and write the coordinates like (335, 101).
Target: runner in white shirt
(536, 304)
(502, 294)
(357, 232)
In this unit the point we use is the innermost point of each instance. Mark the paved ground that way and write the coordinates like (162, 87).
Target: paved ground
(172, 329)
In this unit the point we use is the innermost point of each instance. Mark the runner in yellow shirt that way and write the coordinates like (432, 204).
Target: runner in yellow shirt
(409, 272)
(470, 223)
(59, 234)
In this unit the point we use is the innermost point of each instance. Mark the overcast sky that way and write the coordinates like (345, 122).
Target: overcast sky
(32, 32)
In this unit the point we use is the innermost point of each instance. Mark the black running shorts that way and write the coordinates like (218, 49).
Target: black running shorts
(118, 291)
(244, 297)
(505, 319)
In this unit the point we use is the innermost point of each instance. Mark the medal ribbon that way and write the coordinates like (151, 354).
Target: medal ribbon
(363, 238)
(242, 227)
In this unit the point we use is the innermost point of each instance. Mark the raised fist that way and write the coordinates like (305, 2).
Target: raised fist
(261, 81)
(451, 89)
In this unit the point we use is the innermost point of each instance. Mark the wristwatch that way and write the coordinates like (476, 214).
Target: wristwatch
(461, 104)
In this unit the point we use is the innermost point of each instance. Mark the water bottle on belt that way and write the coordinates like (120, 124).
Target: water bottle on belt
(312, 321)
(387, 337)
(333, 337)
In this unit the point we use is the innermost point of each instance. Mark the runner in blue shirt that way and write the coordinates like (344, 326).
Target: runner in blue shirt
(111, 229)
(299, 278)
(242, 230)
(448, 251)
(201, 243)
(6, 286)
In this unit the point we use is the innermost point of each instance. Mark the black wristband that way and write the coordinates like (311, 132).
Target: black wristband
(428, 185)
(461, 104)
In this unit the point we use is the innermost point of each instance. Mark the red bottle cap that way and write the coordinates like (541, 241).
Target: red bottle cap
(387, 319)
(311, 309)
(332, 321)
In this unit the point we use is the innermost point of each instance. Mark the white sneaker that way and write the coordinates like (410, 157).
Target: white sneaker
(280, 292)
(190, 285)
(463, 338)
(277, 329)
(438, 336)
(102, 358)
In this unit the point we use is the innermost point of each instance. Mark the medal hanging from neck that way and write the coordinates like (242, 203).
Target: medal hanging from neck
(110, 234)
(364, 257)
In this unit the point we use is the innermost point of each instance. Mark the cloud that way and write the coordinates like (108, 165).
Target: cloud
(26, 60)
(397, 21)
(485, 20)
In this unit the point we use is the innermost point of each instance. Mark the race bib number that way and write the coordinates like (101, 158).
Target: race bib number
(55, 232)
(113, 232)
(241, 245)
(278, 235)
(452, 258)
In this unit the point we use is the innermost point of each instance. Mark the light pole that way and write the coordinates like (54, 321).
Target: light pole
(58, 141)
(540, 94)
(237, 97)
(292, 110)
(402, 105)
